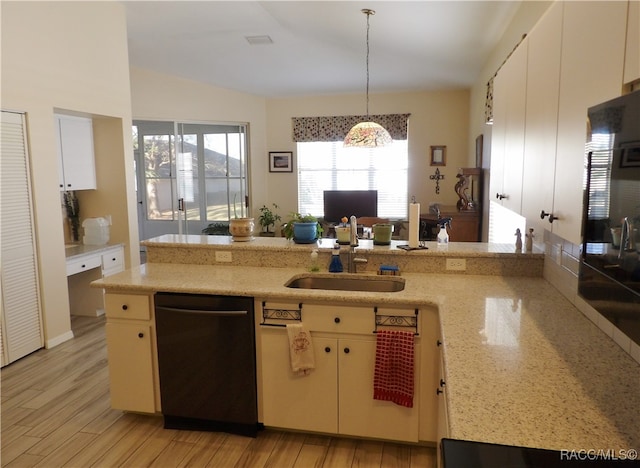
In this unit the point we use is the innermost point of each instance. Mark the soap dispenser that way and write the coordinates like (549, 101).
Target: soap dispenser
(336, 264)
(443, 235)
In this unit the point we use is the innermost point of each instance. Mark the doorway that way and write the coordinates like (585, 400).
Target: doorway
(189, 175)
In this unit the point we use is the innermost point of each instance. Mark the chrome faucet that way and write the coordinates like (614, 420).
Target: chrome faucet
(353, 243)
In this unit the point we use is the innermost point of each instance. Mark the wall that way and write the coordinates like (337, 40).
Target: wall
(157, 96)
(71, 56)
(437, 118)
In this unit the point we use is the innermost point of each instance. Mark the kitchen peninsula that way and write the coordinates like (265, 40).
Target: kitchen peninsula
(521, 365)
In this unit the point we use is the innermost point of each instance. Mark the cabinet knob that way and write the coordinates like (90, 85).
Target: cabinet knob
(552, 218)
(125, 306)
(327, 349)
(543, 214)
(438, 343)
(84, 266)
(346, 350)
(500, 196)
(337, 319)
(140, 335)
(442, 383)
(438, 391)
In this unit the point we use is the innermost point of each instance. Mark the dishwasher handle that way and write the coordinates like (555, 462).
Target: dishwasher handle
(223, 313)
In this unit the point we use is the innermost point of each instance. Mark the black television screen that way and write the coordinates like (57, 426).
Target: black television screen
(339, 203)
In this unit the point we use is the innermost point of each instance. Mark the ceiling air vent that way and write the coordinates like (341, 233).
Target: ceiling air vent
(256, 40)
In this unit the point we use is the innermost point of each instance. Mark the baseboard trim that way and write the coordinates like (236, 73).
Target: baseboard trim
(59, 339)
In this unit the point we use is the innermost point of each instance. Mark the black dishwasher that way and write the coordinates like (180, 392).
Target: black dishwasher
(207, 362)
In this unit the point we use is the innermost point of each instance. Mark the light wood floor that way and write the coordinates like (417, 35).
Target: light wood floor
(55, 412)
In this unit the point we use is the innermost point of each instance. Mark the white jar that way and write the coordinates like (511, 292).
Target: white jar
(96, 231)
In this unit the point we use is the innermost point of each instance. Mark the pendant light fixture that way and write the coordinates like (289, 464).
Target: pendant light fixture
(367, 134)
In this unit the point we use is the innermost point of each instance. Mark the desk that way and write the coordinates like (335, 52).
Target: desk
(465, 225)
(87, 263)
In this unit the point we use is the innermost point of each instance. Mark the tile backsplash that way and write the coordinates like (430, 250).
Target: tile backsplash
(561, 269)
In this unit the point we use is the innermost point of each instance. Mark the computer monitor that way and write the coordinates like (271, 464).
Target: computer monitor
(339, 203)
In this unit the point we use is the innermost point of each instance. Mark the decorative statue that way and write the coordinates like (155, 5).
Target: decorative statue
(461, 188)
(529, 240)
(518, 235)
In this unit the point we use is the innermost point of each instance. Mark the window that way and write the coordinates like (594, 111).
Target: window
(600, 146)
(330, 166)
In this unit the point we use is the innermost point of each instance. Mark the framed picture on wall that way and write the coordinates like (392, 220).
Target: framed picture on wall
(280, 161)
(438, 155)
(630, 154)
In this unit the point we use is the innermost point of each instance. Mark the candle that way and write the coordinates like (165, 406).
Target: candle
(414, 224)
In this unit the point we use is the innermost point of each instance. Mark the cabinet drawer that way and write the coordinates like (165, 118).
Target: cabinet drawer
(128, 306)
(78, 266)
(338, 319)
(112, 262)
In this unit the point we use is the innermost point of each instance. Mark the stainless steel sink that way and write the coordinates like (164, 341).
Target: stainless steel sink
(346, 282)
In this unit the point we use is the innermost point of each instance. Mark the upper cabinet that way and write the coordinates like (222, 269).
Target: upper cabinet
(632, 54)
(76, 160)
(541, 118)
(593, 40)
(574, 60)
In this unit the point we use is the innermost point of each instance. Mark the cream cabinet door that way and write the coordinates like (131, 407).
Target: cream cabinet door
(76, 153)
(308, 402)
(543, 87)
(593, 44)
(129, 351)
(360, 414)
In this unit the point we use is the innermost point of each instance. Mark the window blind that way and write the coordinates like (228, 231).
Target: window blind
(329, 165)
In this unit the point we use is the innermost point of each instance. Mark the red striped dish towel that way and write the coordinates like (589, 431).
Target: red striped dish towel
(393, 377)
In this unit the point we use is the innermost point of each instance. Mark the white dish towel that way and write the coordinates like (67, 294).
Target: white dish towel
(300, 349)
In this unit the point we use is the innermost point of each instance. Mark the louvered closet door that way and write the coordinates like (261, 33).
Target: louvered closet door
(21, 317)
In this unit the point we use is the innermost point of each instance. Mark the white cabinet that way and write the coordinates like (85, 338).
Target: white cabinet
(75, 153)
(541, 118)
(632, 53)
(507, 141)
(593, 37)
(337, 396)
(132, 353)
(590, 67)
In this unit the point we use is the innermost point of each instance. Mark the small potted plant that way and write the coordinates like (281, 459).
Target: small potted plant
(267, 219)
(302, 229)
(241, 229)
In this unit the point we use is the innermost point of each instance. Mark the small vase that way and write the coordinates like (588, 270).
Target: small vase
(241, 229)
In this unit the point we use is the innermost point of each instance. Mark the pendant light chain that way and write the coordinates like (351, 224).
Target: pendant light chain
(368, 13)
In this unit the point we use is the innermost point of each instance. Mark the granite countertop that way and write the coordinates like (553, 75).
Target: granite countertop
(523, 366)
(78, 250)
(278, 244)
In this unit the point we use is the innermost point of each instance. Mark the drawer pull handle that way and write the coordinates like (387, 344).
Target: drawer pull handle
(140, 335)
(337, 319)
(327, 350)
(346, 350)
(438, 391)
(125, 307)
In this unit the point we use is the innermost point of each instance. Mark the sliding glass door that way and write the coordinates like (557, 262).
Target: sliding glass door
(189, 175)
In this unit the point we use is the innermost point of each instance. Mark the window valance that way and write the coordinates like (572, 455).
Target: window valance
(307, 129)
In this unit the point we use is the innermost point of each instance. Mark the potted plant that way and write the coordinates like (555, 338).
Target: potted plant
(302, 229)
(267, 219)
(241, 229)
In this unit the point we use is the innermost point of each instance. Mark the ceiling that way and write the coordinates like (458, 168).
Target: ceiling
(318, 47)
